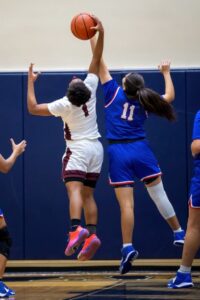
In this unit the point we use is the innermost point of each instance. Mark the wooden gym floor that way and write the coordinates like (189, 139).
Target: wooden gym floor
(95, 280)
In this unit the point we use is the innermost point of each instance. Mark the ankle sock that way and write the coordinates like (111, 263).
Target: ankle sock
(74, 224)
(184, 269)
(92, 228)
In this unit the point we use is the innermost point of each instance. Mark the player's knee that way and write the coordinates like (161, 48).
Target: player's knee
(5, 242)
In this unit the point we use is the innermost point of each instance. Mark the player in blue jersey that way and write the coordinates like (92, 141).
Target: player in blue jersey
(5, 240)
(126, 109)
(192, 239)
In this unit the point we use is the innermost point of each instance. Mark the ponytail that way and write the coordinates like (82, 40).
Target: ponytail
(154, 103)
(134, 87)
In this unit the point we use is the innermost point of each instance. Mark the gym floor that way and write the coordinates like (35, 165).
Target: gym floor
(97, 280)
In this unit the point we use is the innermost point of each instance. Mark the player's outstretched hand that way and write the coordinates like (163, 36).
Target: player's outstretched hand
(164, 66)
(33, 76)
(99, 26)
(18, 148)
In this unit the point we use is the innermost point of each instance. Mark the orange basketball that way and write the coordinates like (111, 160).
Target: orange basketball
(81, 26)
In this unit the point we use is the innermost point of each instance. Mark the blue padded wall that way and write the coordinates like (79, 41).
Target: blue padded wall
(34, 198)
(193, 105)
(11, 192)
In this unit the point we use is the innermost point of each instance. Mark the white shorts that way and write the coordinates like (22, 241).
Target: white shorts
(82, 161)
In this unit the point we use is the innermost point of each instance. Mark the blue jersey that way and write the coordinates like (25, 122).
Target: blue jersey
(194, 199)
(196, 127)
(124, 117)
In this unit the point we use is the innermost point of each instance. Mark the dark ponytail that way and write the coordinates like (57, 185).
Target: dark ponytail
(151, 101)
(154, 103)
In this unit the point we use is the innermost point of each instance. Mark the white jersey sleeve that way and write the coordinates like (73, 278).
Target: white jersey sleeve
(59, 107)
(91, 81)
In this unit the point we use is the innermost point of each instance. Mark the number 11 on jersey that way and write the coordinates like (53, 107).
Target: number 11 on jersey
(128, 111)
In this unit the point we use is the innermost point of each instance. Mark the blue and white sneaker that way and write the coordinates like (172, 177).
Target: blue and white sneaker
(10, 291)
(128, 255)
(179, 238)
(182, 280)
(3, 290)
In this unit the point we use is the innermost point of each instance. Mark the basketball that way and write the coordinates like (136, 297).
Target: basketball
(81, 26)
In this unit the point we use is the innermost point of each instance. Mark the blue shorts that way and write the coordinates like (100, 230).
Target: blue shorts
(1, 213)
(130, 160)
(194, 199)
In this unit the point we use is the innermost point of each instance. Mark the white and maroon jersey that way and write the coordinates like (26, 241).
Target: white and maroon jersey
(79, 122)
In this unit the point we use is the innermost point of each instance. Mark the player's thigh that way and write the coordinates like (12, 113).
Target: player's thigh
(120, 164)
(194, 218)
(95, 157)
(145, 163)
(75, 161)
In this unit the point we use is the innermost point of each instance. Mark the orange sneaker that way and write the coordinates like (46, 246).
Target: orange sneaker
(76, 238)
(89, 248)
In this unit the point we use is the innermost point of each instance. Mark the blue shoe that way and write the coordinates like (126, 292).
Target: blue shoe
(128, 255)
(182, 280)
(179, 238)
(4, 292)
(10, 291)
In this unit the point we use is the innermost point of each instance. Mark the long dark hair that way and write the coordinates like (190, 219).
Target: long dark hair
(134, 87)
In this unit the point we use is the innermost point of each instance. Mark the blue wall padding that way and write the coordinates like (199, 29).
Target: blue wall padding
(12, 184)
(34, 199)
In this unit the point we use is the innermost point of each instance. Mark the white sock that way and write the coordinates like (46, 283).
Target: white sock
(178, 230)
(159, 197)
(126, 245)
(184, 269)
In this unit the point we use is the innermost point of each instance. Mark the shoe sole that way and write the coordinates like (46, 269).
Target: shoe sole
(181, 285)
(90, 251)
(128, 262)
(81, 237)
(3, 295)
(178, 243)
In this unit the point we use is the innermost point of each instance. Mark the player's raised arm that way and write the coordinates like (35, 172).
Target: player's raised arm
(164, 68)
(98, 49)
(33, 107)
(104, 73)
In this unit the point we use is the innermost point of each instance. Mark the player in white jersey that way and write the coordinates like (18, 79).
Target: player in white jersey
(83, 158)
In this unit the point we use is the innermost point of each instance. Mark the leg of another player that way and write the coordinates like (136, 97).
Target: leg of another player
(74, 190)
(89, 205)
(183, 276)
(192, 238)
(5, 249)
(92, 243)
(3, 259)
(77, 234)
(159, 197)
(126, 202)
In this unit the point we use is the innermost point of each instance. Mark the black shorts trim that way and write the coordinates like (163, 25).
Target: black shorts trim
(124, 141)
(124, 185)
(67, 179)
(150, 180)
(86, 182)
